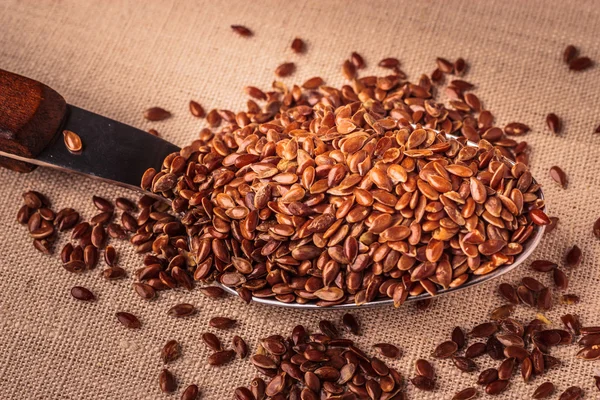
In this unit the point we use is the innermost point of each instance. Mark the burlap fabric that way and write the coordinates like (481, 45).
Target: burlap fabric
(119, 57)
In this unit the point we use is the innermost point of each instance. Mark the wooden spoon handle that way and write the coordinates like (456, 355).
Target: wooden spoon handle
(31, 114)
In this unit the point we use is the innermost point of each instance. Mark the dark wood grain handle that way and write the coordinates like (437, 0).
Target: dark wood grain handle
(31, 114)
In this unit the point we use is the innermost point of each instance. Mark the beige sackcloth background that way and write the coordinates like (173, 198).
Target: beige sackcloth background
(119, 57)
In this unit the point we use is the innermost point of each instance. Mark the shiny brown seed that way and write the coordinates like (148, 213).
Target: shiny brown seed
(298, 46)
(572, 393)
(580, 64)
(389, 63)
(423, 383)
(212, 291)
(559, 176)
(508, 292)
(424, 368)
(388, 350)
(487, 376)
(171, 351)
(190, 393)
(561, 281)
(544, 300)
(102, 204)
(506, 369)
(196, 109)
(357, 60)
(81, 293)
(222, 322)
(445, 349)
(212, 341)
(464, 364)
(526, 296)
(569, 54)
(241, 30)
(572, 323)
(574, 256)
(484, 330)
(466, 394)
(167, 382)
(128, 320)
(221, 357)
(538, 217)
(553, 123)
(285, 69)
(156, 114)
(496, 387)
(72, 141)
(544, 391)
(458, 337)
(351, 323)
(543, 265)
(182, 310)
(475, 350)
(240, 347)
(144, 290)
(516, 129)
(110, 255)
(552, 225)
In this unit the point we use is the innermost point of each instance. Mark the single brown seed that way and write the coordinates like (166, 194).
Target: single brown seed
(285, 69)
(144, 290)
(543, 265)
(460, 66)
(349, 70)
(475, 350)
(240, 347)
(128, 320)
(516, 129)
(167, 382)
(487, 376)
(221, 357)
(580, 64)
(102, 204)
(561, 281)
(466, 394)
(81, 293)
(574, 256)
(98, 236)
(242, 30)
(156, 114)
(190, 393)
(196, 109)
(153, 132)
(458, 337)
(484, 330)
(222, 322)
(212, 291)
(464, 364)
(445, 349)
(388, 350)
(32, 200)
(496, 387)
(243, 393)
(115, 231)
(572, 393)
(423, 383)
(351, 323)
(424, 368)
(72, 141)
(569, 54)
(544, 391)
(569, 299)
(313, 83)
(553, 123)
(298, 46)
(182, 310)
(212, 341)
(552, 225)
(110, 255)
(125, 204)
(389, 63)
(506, 369)
(559, 176)
(508, 292)
(357, 60)
(544, 300)
(572, 323)
(171, 351)
(113, 273)
(444, 65)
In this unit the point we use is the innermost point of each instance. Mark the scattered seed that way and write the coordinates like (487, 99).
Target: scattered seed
(221, 357)
(572, 393)
(298, 46)
(128, 320)
(580, 64)
(445, 349)
(242, 30)
(553, 123)
(573, 257)
(559, 176)
(561, 281)
(81, 293)
(389, 63)
(388, 350)
(544, 391)
(182, 310)
(285, 69)
(167, 382)
(171, 351)
(569, 54)
(357, 60)
(72, 141)
(212, 291)
(240, 347)
(197, 110)
(156, 114)
(351, 323)
(190, 393)
(222, 322)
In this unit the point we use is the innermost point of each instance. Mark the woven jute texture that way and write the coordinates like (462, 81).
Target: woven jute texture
(117, 58)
